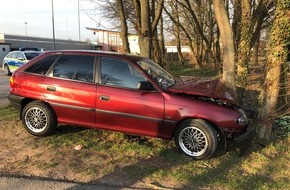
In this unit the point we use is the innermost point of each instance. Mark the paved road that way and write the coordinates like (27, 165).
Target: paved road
(4, 87)
(26, 183)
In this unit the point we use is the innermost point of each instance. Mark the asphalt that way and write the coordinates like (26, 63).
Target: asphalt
(8, 182)
(4, 88)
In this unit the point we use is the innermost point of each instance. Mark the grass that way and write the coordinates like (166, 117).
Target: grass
(7, 112)
(188, 70)
(108, 154)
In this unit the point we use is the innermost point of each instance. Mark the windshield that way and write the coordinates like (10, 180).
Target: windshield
(162, 77)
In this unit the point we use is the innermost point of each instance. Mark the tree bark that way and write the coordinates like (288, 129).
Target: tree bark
(227, 44)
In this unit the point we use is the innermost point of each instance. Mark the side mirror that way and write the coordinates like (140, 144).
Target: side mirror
(145, 85)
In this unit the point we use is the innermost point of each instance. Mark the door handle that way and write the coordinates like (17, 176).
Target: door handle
(51, 88)
(104, 98)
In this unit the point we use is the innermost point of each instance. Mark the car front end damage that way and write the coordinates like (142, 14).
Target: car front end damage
(242, 136)
(213, 91)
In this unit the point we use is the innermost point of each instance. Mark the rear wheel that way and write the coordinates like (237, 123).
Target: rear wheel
(7, 70)
(196, 138)
(38, 118)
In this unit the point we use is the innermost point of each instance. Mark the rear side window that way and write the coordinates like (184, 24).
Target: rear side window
(75, 67)
(42, 66)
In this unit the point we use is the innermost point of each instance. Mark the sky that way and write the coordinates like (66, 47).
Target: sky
(37, 14)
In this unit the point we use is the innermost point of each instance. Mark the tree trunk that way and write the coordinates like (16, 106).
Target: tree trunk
(177, 35)
(124, 28)
(256, 52)
(218, 53)
(236, 22)
(244, 49)
(162, 43)
(276, 55)
(145, 41)
(227, 44)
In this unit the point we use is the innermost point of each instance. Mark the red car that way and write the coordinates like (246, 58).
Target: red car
(126, 93)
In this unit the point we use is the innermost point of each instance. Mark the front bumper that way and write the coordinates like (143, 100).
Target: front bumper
(244, 141)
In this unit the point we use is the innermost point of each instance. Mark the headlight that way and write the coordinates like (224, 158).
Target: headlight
(243, 120)
(229, 96)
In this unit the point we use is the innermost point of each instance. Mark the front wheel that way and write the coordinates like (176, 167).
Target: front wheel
(38, 118)
(196, 138)
(7, 70)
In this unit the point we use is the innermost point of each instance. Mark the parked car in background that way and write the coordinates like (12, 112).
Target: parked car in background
(16, 59)
(129, 94)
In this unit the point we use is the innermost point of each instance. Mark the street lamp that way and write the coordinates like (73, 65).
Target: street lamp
(25, 27)
(52, 12)
(79, 20)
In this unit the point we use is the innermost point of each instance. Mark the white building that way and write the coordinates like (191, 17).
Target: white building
(107, 40)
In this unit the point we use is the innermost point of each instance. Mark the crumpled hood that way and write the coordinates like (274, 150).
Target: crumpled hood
(208, 87)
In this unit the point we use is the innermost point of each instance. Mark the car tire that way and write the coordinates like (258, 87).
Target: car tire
(38, 118)
(196, 138)
(7, 70)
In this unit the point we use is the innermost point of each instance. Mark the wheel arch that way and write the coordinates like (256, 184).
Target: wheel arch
(222, 142)
(26, 101)
(9, 71)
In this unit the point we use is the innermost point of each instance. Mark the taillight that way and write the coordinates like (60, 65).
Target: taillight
(12, 80)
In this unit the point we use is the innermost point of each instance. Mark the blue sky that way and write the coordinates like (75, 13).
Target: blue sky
(38, 16)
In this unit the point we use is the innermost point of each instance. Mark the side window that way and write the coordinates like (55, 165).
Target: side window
(14, 55)
(10, 55)
(20, 56)
(116, 72)
(75, 67)
(41, 67)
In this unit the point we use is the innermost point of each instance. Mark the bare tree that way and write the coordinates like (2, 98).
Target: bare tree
(195, 22)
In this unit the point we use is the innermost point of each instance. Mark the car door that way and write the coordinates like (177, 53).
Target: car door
(20, 59)
(70, 88)
(12, 61)
(121, 106)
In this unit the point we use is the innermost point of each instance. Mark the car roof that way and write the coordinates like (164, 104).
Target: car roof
(30, 51)
(100, 53)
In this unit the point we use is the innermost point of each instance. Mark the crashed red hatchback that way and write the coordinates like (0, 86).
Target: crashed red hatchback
(126, 93)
